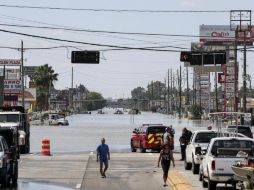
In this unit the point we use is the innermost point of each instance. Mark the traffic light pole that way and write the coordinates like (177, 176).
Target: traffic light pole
(22, 74)
(244, 74)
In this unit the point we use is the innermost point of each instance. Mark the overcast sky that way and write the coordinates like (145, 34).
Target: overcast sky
(119, 71)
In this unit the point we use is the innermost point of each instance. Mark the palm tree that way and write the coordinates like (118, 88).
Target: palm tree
(44, 78)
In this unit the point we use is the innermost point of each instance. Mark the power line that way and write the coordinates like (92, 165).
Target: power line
(101, 31)
(114, 10)
(86, 43)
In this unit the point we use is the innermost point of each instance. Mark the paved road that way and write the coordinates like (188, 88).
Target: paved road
(131, 171)
(127, 171)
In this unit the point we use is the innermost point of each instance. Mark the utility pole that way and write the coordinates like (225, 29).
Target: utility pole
(168, 95)
(240, 22)
(164, 93)
(180, 93)
(244, 74)
(187, 95)
(22, 74)
(171, 91)
(194, 88)
(174, 103)
(72, 87)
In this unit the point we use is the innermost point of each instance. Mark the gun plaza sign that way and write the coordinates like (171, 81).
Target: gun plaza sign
(10, 62)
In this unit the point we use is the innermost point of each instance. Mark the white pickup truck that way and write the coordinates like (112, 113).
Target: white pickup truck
(221, 154)
(200, 139)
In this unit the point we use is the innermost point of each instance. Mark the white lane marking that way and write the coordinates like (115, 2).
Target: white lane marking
(150, 154)
(78, 186)
(127, 169)
(91, 153)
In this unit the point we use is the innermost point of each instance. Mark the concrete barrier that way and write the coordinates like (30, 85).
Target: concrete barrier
(178, 182)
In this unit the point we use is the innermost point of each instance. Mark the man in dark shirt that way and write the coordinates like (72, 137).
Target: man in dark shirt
(184, 141)
(103, 155)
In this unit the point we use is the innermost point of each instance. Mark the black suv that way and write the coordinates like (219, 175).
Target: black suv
(244, 129)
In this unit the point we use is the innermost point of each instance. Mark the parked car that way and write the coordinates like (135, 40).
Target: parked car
(201, 139)
(244, 129)
(221, 154)
(9, 155)
(148, 136)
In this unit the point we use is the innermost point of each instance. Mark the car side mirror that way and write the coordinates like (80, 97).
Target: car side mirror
(198, 150)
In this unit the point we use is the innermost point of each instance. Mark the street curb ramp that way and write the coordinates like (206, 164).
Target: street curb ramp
(178, 182)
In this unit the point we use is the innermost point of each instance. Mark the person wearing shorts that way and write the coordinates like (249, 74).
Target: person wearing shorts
(103, 156)
(164, 159)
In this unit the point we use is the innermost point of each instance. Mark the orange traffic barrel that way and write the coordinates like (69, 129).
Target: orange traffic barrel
(45, 147)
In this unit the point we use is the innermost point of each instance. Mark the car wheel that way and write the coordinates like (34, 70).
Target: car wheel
(187, 165)
(142, 149)
(200, 176)
(234, 185)
(132, 148)
(195, 167)
(211, 184)
(247, 185)
(5, 182)
(204, 183)
(14, 178)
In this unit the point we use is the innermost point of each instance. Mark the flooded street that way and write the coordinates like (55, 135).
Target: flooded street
(85, 131)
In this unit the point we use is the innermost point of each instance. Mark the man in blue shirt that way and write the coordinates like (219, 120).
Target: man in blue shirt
(103, 155)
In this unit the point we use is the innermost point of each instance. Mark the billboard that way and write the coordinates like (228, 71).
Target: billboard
(12, 74)
(222, 35)
(12, 86)
(30, 70)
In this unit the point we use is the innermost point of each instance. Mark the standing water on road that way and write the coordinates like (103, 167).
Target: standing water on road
(85, 131)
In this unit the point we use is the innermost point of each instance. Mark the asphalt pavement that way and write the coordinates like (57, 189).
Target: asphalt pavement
(127, 171)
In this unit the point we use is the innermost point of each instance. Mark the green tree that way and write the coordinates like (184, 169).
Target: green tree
(156, 90)
(44, 77)
(96, 101)
(139, 93)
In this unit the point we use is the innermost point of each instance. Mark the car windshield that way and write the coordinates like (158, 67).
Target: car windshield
(205, 137)
(155, 130)
(232, 147)
(241, 129)
(9, 117)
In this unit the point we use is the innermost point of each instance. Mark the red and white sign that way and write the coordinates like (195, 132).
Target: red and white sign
(10, 62)
(222, 34)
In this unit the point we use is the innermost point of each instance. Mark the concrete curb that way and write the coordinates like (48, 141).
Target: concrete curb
(178, 182)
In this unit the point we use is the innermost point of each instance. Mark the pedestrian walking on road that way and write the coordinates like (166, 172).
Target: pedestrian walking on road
(103, 155)
(165, 158)
(168, 138)
(184, 141)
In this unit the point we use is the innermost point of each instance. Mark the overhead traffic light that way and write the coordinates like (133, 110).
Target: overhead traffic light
(204, 58)
(92, 57)
(185, 56)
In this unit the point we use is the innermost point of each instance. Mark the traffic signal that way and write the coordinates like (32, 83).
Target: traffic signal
(185, 56)
(89, 57)
(203, 58)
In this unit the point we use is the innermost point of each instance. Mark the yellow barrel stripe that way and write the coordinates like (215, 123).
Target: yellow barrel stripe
(151, 141)
(159, 134)
(156, 142)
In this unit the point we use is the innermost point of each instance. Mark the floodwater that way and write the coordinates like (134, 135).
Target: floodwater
(85, 131)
